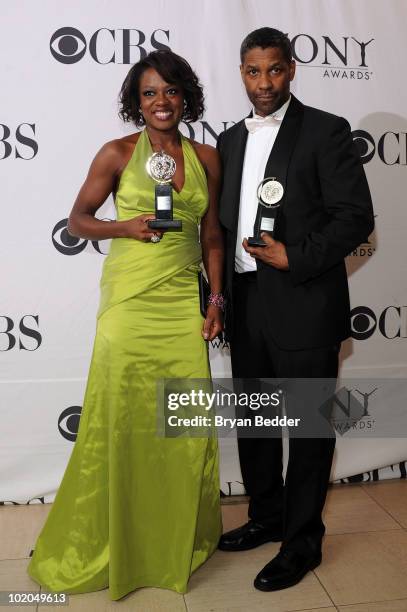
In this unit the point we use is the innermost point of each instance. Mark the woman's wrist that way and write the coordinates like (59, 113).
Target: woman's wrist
(217, 299)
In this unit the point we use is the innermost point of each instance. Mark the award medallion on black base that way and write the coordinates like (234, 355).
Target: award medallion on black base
(161, 168)
(269, 193)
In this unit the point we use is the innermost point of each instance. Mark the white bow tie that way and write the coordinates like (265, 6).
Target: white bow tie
(256, 123)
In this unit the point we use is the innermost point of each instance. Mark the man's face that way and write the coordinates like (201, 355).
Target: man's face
(267, 76)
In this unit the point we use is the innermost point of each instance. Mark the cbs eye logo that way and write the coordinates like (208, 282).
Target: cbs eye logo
(365, 145)
(68, 45)
(363, 322)
(68, 422)
(71, 245)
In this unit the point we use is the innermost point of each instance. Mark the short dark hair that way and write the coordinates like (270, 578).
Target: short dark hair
(175, 70)
(267, 37)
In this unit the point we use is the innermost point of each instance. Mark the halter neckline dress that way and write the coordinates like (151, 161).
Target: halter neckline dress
(135, 509)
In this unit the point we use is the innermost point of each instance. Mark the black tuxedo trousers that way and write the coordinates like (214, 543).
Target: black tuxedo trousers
(296, 506)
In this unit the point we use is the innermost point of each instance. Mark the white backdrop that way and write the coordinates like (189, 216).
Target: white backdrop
(62, 67)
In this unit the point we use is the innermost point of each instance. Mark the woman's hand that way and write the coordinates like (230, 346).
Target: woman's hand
(213, 323)
(138, 228)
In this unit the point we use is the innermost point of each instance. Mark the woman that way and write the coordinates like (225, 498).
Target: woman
(136, 510)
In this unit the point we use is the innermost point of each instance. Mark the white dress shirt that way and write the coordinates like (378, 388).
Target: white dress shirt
(258, 148)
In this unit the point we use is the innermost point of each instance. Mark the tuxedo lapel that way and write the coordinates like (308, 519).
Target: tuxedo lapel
(280, 155)
(229, 213)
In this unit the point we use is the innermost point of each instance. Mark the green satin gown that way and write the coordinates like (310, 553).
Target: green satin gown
(134, 509)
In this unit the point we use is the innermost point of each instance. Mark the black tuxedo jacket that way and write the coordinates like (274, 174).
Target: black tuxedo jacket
(325, 213)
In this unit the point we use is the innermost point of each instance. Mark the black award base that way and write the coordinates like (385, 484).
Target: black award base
(256, 241)
(164, 210)
(171, 225)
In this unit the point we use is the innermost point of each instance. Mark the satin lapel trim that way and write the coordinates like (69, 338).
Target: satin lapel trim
(230, 213)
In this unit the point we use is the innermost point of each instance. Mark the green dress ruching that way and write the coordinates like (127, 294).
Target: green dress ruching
(135, 509)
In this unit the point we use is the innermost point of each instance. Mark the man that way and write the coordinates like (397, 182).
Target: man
(288, 300)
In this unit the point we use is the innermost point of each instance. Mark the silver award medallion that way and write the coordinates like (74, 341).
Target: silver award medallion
(270, 192)
(161, 167)
(269, 195)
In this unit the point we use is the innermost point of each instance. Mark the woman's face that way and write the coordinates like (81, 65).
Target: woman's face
(161, 103)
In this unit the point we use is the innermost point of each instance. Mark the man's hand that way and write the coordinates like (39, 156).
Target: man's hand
(274, 253)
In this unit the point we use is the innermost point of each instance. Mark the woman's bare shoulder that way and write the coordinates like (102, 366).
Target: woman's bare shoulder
(116, 153)
(207, 155)
(118, 146)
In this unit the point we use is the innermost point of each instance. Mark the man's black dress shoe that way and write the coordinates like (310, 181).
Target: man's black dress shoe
(248, 536)
(285, 570)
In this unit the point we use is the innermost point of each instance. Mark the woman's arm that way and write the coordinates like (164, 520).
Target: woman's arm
(212, 239)
(101, 181)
